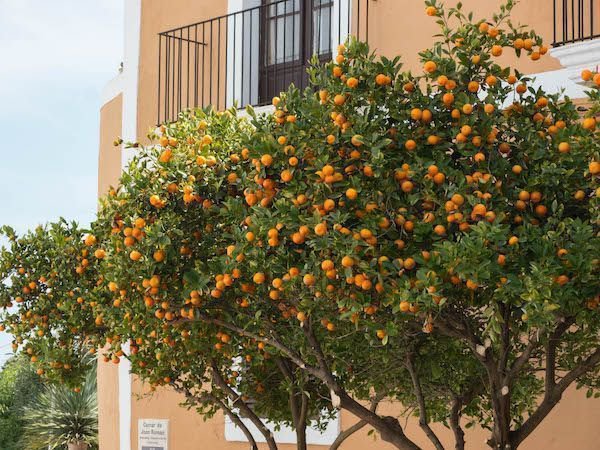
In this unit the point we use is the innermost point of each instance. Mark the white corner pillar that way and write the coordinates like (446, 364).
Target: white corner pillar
(129, 83)
(131, 63)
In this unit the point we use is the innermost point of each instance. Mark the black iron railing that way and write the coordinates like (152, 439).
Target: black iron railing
(247, 57)
(575, 20)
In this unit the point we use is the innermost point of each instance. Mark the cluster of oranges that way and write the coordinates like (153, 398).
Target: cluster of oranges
(380, 193)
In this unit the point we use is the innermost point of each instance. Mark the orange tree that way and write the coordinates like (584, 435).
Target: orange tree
(430, 238)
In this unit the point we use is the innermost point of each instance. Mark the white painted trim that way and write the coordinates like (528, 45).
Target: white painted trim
(265, 109)
(242, 42)
(130, 79)
(125, 401)
(243, 77)
(131, 62)
(113, 88)
(578, 56)
(285, 435)
(554, 81)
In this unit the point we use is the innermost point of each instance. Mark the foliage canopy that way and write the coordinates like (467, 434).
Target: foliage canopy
(431, 238)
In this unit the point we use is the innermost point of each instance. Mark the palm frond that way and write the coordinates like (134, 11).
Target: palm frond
(59, 416)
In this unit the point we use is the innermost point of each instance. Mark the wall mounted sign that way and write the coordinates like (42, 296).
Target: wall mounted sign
(153, 434)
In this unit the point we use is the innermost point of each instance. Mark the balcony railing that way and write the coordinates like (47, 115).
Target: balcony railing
(575, 21)
(247, 57)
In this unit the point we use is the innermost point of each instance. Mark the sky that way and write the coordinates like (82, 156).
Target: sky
(56, 56)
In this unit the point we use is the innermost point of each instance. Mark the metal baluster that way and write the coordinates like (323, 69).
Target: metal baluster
(196, 56)
(250, 65)
(203, 61)
(226, 83)
(285, 55)
(179, 68)
(172, 102)
(243, 68)
(234, 54)
(219, 67)
(159, 69)
(187, 75)
(210, 83)
(294, 39)
(554, 15)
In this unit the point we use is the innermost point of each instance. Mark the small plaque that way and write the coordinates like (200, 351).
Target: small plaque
(153, 434)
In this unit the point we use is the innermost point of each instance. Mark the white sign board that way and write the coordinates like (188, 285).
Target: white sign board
(153, 434)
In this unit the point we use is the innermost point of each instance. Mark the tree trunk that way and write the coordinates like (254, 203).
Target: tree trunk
(501, 435)
(301, 437)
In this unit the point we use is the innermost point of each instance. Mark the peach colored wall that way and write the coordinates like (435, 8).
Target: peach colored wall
(109, 156)
(108, 405)
(109, 170)
(400, 27)
(573, 424)
(158, 16)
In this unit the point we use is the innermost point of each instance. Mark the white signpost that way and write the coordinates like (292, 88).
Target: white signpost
(153, 434)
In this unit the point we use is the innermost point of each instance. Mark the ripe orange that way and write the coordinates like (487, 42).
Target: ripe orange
(496, 50)
(321, 229)
(351, 193)
(473, 86)
(347, 261)
(266, 160)
(440, 230)
(407, 186)
(135, 255)
(258, 278)
(339, 99)
(416, 114)
(352, 82)
(564, 147)
(286, 176)
(309, 279)
(430, 67)
(587, 75)
(159, 255)
(382, 80)
(589, 123)
(448, 98)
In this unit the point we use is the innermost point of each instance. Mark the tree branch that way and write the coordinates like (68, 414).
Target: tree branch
(293, 356)
(459, 434)
(345, 434)
(423, 418)
(551, 345)
(235, 398)
(206, 396)
(388, 427)
(553, 396)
